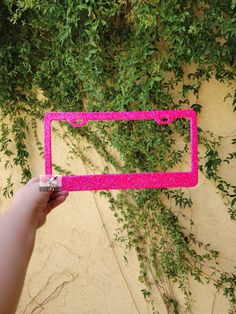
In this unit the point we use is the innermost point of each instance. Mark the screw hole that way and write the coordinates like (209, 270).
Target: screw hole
(78, 121)
(164, 119)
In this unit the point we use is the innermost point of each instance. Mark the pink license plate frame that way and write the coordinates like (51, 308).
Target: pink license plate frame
(124, 180)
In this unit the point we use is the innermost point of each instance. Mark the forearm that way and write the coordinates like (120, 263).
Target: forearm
(17, 237)
(18, 228)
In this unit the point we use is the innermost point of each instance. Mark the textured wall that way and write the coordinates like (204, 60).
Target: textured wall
(77, 267)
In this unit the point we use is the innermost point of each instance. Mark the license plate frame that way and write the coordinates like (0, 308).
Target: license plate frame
(125, 180)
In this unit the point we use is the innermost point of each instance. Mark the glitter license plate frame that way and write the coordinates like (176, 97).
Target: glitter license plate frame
(124, 180)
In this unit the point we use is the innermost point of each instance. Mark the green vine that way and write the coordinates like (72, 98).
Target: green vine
(126, 55)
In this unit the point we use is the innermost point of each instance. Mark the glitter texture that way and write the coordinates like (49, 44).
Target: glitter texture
(125, 180)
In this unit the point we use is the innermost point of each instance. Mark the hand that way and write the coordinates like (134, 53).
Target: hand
(35, 204)
(18, 227)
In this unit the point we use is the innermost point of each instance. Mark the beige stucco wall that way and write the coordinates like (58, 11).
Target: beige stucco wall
(77, 267)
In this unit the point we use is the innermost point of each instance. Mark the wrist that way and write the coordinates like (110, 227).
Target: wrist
(23, 223)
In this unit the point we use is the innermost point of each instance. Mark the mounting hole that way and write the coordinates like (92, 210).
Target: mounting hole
(164, 119)
(79, 121)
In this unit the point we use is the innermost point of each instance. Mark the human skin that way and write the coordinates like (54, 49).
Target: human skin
(18, 227)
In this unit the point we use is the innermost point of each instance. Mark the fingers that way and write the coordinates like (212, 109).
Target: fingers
(57, 194)
(57, 201)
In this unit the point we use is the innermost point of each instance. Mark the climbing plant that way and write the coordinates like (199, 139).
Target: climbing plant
(126, 55)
